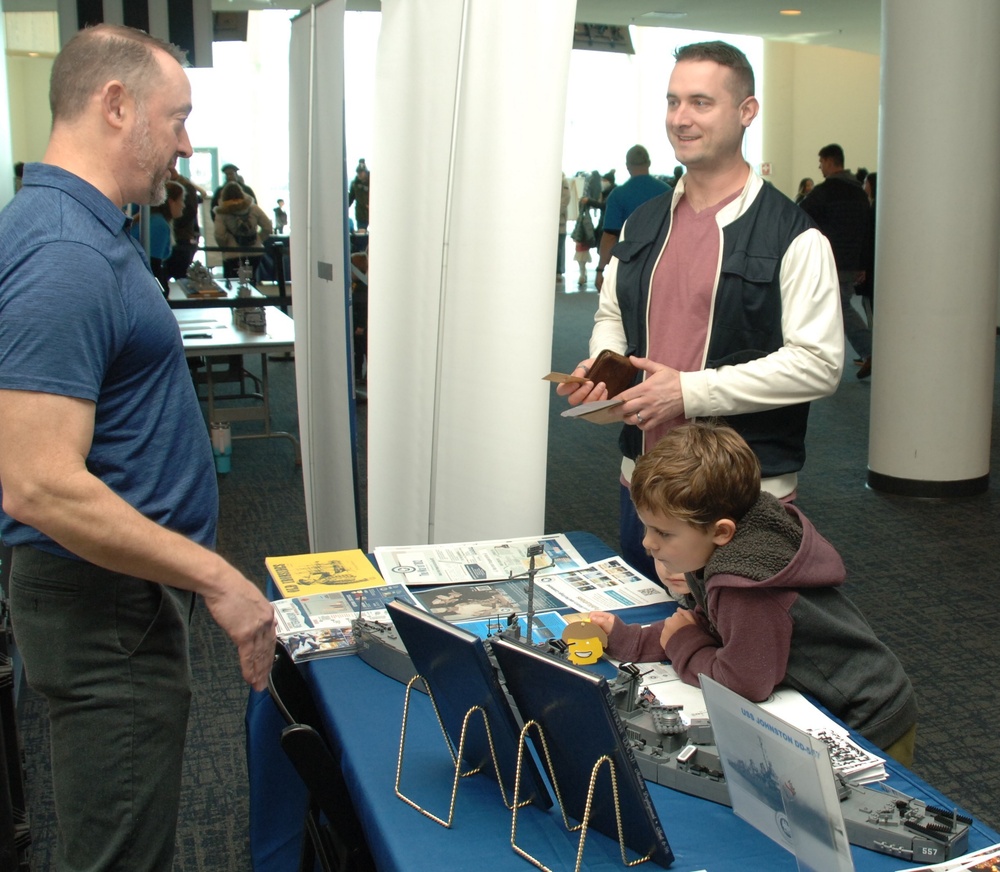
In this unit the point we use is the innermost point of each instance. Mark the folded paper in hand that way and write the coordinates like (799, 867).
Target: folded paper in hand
(600, 412)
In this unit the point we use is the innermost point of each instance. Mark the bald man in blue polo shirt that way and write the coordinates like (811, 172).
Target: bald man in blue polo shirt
(624, 200)
(109, 493)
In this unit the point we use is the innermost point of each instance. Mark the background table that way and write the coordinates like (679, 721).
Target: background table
(212, 333)
(363, 709)
(178, 298)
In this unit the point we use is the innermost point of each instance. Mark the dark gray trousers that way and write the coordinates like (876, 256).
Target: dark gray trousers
(110, 655)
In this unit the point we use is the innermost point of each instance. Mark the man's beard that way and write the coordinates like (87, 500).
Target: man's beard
(141, 145)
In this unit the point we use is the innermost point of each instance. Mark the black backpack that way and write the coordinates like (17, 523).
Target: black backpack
(245, 230)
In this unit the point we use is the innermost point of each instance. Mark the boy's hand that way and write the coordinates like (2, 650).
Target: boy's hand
(603, 620)
(680, 618)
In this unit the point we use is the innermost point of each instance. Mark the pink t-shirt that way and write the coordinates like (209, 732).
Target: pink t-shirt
(680, 300)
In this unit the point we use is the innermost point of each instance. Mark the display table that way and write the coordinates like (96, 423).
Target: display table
(363, 709)
(212, 333)
(178, 298)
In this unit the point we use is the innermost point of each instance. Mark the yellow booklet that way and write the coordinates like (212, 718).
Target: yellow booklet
(300, 574)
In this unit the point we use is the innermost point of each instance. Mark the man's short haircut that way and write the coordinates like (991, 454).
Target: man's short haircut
(726, 55)
(698, 473)
(637, 156)
(834, 152)
(101, 54)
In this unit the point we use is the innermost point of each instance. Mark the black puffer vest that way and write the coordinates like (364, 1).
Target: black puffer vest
(746, 322)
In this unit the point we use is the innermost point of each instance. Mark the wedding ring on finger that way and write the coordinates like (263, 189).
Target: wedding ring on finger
(638, 417)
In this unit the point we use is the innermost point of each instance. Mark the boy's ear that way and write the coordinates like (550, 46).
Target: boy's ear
(724, 531)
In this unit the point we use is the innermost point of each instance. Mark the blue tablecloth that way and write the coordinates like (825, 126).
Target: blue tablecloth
(364, 710)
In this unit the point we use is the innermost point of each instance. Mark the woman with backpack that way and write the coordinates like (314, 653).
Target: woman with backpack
(239, 223)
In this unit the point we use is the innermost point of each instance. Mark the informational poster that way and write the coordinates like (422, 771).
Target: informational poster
(780, 780)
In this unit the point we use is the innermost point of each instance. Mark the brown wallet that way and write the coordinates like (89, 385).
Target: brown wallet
(615, 370)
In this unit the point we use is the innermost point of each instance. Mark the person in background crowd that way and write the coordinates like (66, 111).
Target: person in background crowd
(599, 203)
(564, 197)
(160, 241)
(186, 227)
(280, 217)
(805, 186)
(232, 174)
(866, 287)
(841, 210)
(357, 194)
(239, 223)
(624, 200)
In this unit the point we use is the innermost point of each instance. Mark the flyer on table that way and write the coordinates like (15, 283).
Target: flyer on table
(458, 562)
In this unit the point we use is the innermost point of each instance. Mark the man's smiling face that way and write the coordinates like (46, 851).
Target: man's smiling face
(705, 119)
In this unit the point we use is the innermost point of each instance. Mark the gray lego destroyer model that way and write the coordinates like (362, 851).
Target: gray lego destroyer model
(685, 758)
(381, 648)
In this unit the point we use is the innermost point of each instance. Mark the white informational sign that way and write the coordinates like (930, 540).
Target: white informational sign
(780, 780)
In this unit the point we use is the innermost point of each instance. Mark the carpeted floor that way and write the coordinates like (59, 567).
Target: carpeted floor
(923, 571)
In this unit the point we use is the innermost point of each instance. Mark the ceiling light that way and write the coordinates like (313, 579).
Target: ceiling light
(671, 16)
(790, 12)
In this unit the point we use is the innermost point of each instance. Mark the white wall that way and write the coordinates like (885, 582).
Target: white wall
(28, 100)
(815, 96)
(6, 160)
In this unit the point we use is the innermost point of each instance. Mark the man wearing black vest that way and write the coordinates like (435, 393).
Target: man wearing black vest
(723, 293)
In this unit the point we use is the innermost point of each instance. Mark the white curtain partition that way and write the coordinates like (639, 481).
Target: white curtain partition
(319, 276)
(470, 107)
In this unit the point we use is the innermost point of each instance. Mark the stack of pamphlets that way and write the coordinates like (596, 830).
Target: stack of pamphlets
(852, 762)
(324, 593)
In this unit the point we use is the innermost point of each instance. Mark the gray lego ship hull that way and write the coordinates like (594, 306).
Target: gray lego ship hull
(876, 817)
(381, 648)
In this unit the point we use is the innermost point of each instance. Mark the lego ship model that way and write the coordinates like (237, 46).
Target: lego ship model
(381, 648)
(685, 758)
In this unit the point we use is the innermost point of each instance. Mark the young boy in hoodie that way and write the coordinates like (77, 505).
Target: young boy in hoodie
(766, 586)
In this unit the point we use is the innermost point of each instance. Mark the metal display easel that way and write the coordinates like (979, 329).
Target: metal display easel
(514, 804)
(456, 754)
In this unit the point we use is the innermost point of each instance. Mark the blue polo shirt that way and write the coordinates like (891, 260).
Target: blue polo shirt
(628, 197)
(82, 316)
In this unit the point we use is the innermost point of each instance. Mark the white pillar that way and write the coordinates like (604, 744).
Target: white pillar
(319, 272)
(470, 102)
(938, 236)
(6, 147)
